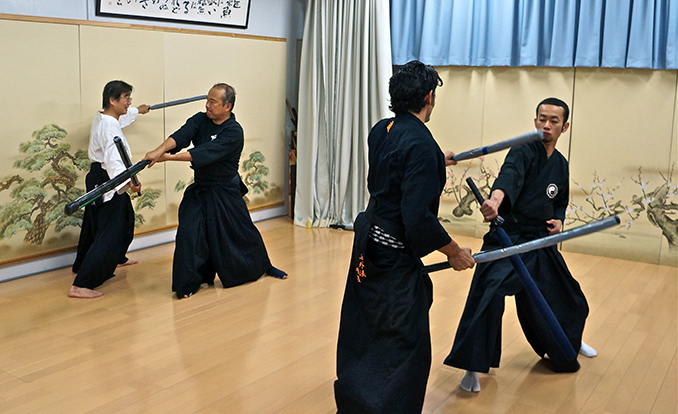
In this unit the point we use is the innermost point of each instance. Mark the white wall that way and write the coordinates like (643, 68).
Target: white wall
(65, 9)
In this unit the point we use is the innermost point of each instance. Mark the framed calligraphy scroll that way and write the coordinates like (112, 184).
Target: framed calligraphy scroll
(233, 13)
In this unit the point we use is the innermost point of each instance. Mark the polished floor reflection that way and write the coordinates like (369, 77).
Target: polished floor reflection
(269, 346)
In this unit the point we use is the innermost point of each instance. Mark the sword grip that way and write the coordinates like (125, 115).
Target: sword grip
(497, 221)
(435, 267)
(475, 190)
(125, 159)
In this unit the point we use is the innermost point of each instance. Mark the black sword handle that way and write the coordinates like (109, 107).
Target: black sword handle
(125, 159)
(497, 221)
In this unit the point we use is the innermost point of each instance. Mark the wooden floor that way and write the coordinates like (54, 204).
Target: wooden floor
(269, 346)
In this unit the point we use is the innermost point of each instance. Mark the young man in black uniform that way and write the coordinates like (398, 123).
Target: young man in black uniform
(215, 233)
(531, 193)
(384, 346)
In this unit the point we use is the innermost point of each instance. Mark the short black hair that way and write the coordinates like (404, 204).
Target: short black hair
(229, 93)
(556, 102)
(409, 86)
(114, 89)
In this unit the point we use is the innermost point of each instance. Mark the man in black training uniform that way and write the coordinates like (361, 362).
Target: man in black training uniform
(215, 233)
(384, 346)
(531, 193)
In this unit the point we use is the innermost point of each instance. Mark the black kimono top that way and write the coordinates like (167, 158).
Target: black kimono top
(405, 179)
(216, 148)
(536, 187)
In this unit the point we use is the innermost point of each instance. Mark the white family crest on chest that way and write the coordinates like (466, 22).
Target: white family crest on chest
(551, 190)
(214, 137)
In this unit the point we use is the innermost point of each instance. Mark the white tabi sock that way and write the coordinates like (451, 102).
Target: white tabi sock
(469, 382)
(587, 351)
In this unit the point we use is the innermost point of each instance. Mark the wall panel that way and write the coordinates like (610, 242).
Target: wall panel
(621, 147)
(622, 127)
(196, 62)
(669, 251)
(135, 57)
(40, 83)
(54, 73)
(457, 124)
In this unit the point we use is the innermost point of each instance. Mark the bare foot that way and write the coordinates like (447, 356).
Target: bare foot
(277, 273)
(130, 262)
(186, 295)
(84, 293)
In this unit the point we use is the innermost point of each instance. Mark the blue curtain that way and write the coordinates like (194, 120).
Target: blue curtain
(564, 33)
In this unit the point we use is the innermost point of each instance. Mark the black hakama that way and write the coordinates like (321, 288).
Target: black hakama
(536, 189)
(384, 346)
(216, 235)
(107, 231)
(384, 349)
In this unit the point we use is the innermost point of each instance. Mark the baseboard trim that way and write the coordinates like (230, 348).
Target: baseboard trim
(45, 264)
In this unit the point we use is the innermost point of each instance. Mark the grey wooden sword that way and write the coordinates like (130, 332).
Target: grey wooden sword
(97, 192)
(177, 102)
(535, 135)
(492, 255)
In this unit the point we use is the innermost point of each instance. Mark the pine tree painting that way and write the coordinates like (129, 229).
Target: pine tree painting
(38, 203)
(254, 173)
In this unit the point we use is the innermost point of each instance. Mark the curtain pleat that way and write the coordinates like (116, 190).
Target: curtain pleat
(345, 68)
(562, 33)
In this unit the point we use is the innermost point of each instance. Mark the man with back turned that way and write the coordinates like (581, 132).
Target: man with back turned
(384, 346)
